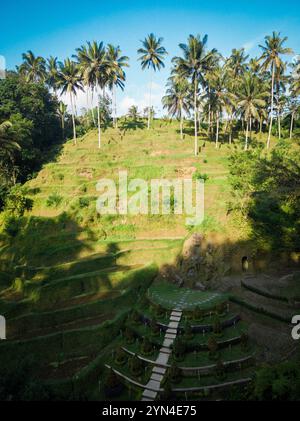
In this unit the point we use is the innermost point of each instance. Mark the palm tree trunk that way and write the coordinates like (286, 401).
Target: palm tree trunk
(115, 106)
(149, 110)
(217, 131)
(291, 127)
(63, 126)
(181, 123)
(92, 107)
(250, 129)
(195, 117)
(98, 117)
(73, 119)
(260, 126)
(272, 106)
(279, 124)
(247, 131)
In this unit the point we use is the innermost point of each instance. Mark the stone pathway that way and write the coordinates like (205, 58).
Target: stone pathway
(158, 372)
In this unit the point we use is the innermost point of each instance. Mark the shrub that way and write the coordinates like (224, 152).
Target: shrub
(221, 308)
(54, 200)
(188, 331)
(154, 327)
(146, 347)
(217, 326)
(179, 349)
(83, 202)
(220, 370)
(112, 384)
(212, 345)
(135, 366)
(16, 202)
(135, 317)
(198, 176)
(198, 314)
(244, 341)
(120, 356)
(12, 225)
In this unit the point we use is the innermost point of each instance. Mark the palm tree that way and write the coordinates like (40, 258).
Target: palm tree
(176, 100)
(236, 63)
(194, 63)
(220, 97)
(151, 56)
(133, 113)
(33, 68)
(293, 111)
(94, 66)
(61, 111)
(52, 73)
(117, 76)
(70, 81)
(6, 142)
(272, 50)
(250, 99)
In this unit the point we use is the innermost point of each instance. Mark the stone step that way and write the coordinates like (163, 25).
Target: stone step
(173, 325)
(162, 358)
(171, 331)
(175, 319)
(159, 370)
(153, 385)
(157, 377)
(168, 342)
(176, 313)
(170, 336)
(165, 350)
(147, 399)
(149, 394)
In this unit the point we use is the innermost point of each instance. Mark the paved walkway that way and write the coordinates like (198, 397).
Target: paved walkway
(158, 372)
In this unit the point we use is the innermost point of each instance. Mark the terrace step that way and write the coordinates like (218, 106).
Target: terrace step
(165, 350)
(157, 377)
(168, 342)
(147, 399)
(170, 336)
(175, 318)
(171, 331)
(152, 385)
(173, 325)
(159, 370)
(149, 394)
(162, 359)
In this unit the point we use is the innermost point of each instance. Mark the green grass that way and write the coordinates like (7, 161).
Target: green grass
(170, 296)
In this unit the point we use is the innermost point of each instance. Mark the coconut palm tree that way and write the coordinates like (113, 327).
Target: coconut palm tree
(95, 72)
(117, 76)
(293, 111)
(270, 58)
(220, 97)
(61, 111)
(176, 100)
(196, 61)
(33, 68)
(70, 81)
(52, 73)
(152, 55)
(133, 113)
(237, 62)
(6, 142)
(250, 98)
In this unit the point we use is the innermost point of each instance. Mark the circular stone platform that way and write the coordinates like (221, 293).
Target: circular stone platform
(170, 297)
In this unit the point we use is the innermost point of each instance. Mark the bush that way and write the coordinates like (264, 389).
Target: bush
(83, 202)
(188, 332)
(120, 356)
(112, 385)
(135, 366)
(179, 349)
(147, 347)
(244, 341)
(54, 200)
(220, 370)
(16, 202)
(12, 225)
(217, 326)
(174, 374)
(154, 327)
(198, 314)
(129, 336)
(212, 345)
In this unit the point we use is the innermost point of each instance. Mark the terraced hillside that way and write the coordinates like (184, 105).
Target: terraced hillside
(68, 275)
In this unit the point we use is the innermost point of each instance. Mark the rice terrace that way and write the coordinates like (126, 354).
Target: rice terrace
(108, 296)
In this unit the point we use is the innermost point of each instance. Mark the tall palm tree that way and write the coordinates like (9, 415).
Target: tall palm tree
(70, 81)
(117, 76)
(33, 68)
(194, 63)
(220, 97)
(52, 73)
(95, 72)
(270, 58)
(293, 111)
(61, 111)
(250, 98)
(152, 55)
(237, 62)
(176, 100)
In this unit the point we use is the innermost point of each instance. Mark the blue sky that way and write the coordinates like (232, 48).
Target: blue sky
(58, 27)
